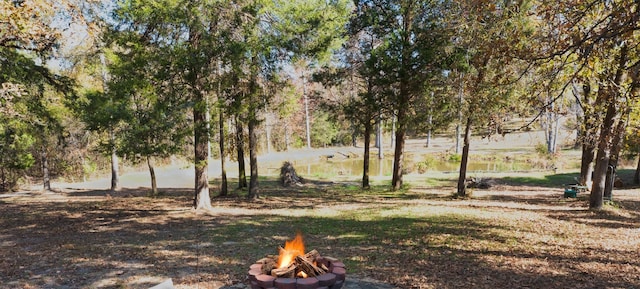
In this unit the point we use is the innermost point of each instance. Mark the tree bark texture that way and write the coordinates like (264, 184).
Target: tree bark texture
(367, 153)
(462, 186)
(459, 123)
(606, 143)
(253, 159)
(242, 172)
(398, 157)
(403, 99)
(378, 133)
(152, 173)
(636, 176)
(379, 143)
(306, 110)
(603, 157)
(587, 137)
(613, 160)
(224, 189)
(115, 167)
(586, 163)
(46, 178)
(202, 199)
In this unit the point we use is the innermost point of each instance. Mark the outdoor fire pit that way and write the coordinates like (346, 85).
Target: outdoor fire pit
(294, 269)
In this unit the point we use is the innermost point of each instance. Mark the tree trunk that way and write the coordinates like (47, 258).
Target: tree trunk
(354, 134)
(379, 140)
(393, 130)
(46, 178)
(287, 139)
(242, 173)
(115, 167)
(115, 180)
(306, 110)
(398, 157)
(586, 164)
(602, 159)
(152, 173)
(253, 159)
(636, 176)
(606, 142)
(613, 160)
(587, 137)
(267, 127)
(462, 187)
(459, 124)
(599, 178)
(403, 100)
(549, 128)
(378, 133)
(556, 127)
(430, 121)
(365, 163)
(83, 161)
(224, 190)
(208, 122)
(579, 132)
(202, 199)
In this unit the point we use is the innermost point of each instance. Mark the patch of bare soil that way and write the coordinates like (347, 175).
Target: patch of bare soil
(506, 237)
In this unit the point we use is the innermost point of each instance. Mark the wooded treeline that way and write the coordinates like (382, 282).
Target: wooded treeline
(144, 80)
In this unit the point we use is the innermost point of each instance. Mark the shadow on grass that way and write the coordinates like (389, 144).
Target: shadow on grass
(85, 244)
(560, 180)
(548, 181)
(606, 219)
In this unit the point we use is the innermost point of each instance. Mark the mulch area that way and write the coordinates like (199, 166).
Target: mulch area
(505, 237)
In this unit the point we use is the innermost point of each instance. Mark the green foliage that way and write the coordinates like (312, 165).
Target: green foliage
(423, 167)
(323, 130)
(31, 112)
(454, 158)
(310, 29)
(429, 162)
(15, 152)
(541, 149)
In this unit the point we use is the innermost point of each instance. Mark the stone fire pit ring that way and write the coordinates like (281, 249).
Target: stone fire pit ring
(334, 279)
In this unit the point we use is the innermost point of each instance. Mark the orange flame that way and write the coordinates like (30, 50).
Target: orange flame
(292, 249)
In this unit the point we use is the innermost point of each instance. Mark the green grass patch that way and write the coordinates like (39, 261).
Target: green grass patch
(553, 180)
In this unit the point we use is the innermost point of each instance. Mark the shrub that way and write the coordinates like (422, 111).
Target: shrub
(425, 165)
(455, 158)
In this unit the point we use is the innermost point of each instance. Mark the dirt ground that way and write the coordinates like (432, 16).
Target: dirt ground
(509, 236)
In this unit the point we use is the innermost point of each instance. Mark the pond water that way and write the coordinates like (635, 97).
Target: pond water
(384, 167)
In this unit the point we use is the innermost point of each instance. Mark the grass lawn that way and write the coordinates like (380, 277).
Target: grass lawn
(520, 233)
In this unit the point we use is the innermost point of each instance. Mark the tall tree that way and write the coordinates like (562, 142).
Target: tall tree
(272, 32)
(603, 37)
(29, 90)
(489, 34)
(193, 33)
(311, 31)
(411, 46)
(154, 124)
(363, 104)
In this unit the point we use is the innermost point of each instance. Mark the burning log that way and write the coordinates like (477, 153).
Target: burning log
(312, 255)
(308, 267)
(268, 264)
(302, 264)
(286, 272)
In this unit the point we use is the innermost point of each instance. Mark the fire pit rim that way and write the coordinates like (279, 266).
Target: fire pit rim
(336, 268)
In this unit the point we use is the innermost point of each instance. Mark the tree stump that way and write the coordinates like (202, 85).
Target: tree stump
(288, 175)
